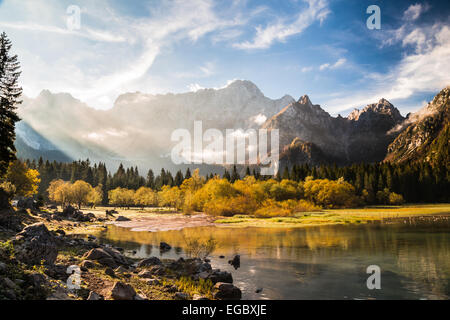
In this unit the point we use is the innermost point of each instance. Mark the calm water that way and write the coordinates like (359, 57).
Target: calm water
(326, 262)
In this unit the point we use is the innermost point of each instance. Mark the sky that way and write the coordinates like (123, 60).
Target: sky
(322, 48)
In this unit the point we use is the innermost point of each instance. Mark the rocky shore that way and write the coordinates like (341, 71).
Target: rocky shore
(39, 260)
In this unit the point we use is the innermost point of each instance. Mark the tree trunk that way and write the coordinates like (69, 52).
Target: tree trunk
(4, 200)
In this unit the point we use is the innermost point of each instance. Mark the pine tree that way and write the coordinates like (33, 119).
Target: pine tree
(188, 174)
(234, 175)
(151, 179)
(178, 178)
(10, 93)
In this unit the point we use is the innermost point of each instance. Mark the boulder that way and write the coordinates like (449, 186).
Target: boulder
(181, 296)
(69, 211)
(227, 291)
(140, 297)
(199, 297)
(116, 255)
(163, 246)
(94, 296)
(106, 256)
(103, 257)
(120, 269)
(122, 291)
(35, 244)
(4, 199)
(152, 261)
(235, 262)
(88, 264)
(122, 218)
(220, 276)
(26, 203)
(152, 282)
(145, 274)
(110, 272)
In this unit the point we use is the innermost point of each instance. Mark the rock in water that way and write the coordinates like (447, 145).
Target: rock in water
(122, 218)
(35, 244)
(236, 262)
(165, 246)
(227, 291)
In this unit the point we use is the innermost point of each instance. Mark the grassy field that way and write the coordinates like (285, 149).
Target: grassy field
(340, 216)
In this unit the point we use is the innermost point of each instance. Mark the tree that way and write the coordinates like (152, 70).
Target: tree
(9, 99)
(121, 197)
(145, 197)
(26, 181)
(59, 191)
(95, 196)
(80, 192)
(151, 179)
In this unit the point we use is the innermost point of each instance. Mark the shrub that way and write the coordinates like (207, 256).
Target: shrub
(396, 199)
(196, 248)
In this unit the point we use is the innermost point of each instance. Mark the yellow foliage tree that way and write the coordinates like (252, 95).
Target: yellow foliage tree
(95, 196)
(145, 197)
(60, 192)
(80, 192)
(121, 197)
(26, 181)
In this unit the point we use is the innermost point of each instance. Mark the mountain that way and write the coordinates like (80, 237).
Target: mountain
(425, 134)
(31, 145)
(137, 129)
(363, 136)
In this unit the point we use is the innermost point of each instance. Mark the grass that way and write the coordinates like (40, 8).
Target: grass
(339, 216)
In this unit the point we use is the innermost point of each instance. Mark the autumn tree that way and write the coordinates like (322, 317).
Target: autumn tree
(59, 191)
(25, 181)
(80, 193)
(95, 196)
(145, 197)
(121, 197)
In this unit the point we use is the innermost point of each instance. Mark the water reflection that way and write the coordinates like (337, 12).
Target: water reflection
(326, 262)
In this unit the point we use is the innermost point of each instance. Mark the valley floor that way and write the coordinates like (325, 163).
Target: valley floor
(164, 219)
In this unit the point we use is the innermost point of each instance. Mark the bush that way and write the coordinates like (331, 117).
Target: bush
(396, 199)
(286, 208)
(196, 248)
(230, 206)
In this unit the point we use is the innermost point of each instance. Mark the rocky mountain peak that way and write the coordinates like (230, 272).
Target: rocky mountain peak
(304, 100)
(382, 107)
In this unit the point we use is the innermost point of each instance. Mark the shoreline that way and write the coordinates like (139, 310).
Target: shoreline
(158, 222)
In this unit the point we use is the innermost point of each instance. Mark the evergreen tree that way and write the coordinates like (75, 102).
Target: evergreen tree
(9, 99)
(234, 175)
(150, 179)
(188, 174)
(178, 178)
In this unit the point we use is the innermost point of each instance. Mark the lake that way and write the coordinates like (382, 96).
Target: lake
(327, 262)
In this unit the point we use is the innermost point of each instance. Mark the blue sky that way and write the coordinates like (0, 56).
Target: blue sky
(322, 48)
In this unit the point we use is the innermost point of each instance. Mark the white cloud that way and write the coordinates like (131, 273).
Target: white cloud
(333, 66)
(423, 71)
(280, 30)
(414, 11)
(112, 52)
